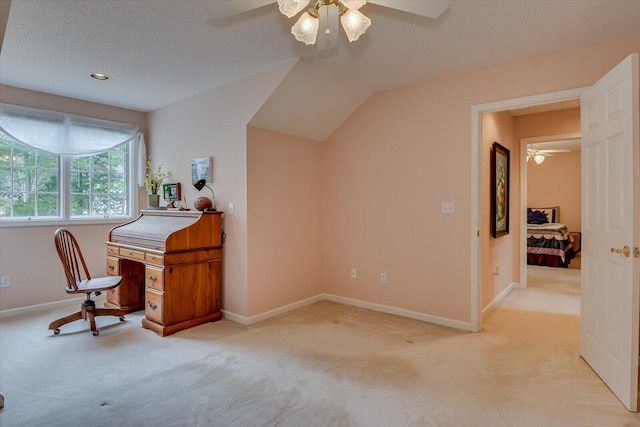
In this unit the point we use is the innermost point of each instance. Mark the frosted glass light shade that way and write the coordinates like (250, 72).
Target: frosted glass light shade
(290, 8)
(539, 158)
(355, 24)
(306, 29)
(353, 4)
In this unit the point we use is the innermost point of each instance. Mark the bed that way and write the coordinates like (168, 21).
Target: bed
(548, 243)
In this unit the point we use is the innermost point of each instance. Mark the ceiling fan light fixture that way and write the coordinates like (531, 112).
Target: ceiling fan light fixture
(306, 29)
(354, 24)
(291, 8)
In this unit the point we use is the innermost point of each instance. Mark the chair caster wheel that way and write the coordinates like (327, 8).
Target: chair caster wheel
(122, 318)
(96, 333)
(56, 331)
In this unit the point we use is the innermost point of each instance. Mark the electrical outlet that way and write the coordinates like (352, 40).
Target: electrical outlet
(5, 281)
(354, 273)
(383, 277)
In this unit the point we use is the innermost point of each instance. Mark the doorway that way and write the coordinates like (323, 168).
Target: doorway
(477, 204)
(550, 191)
(609, 286)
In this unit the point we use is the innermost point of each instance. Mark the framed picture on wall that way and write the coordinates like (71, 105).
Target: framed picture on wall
(499, 190)
(202, 168)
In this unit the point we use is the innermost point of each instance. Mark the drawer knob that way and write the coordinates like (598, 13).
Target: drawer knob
(153, 278)
(112, 267)
(153, 306)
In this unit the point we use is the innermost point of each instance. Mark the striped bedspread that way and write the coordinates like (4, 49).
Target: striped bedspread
(550, 239)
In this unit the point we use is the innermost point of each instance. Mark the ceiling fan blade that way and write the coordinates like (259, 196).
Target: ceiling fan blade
(236, 7)
(429, 8)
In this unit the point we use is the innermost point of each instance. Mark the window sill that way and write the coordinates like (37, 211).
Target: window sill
(48, 222)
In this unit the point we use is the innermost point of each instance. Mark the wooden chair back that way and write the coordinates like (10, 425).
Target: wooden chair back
(72, 260)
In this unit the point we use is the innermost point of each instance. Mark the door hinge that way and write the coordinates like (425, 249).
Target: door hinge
(636, 252)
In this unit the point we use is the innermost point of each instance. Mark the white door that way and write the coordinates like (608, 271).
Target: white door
(610, 192)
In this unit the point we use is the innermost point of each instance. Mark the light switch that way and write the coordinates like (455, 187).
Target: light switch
(231, 209)
(447, 207)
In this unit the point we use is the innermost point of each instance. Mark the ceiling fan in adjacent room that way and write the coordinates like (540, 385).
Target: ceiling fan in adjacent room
(318, 24)
(538, 155)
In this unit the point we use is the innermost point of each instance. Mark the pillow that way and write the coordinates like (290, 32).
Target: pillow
(552, 213)
(537, 217)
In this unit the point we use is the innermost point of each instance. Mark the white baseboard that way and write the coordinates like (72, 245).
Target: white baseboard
(235, 318)
(247, 321)
(4, 314)
(497, 300)
(443, 321)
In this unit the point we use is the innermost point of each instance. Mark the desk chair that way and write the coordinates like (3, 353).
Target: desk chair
(79, 281)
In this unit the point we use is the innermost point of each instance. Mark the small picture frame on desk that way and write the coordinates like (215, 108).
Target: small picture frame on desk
(172, 192)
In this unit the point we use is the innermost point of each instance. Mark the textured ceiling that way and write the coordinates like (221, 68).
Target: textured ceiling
(158, 52)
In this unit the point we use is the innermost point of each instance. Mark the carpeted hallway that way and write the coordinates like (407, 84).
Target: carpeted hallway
(323, 365)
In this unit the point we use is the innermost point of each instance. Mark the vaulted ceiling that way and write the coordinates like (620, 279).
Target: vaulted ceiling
(158, 52)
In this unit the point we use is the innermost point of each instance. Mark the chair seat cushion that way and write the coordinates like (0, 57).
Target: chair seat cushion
(99, 284)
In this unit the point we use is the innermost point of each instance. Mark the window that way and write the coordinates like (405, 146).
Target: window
(29, 181)
(99, 184)
(39, 185)
(30, 184)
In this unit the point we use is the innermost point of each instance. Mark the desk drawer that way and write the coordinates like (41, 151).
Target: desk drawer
(113, 266)
(156, 259)
(112, 250)
(154, 306)
(113, 295)
(130, 253)
(154, 278)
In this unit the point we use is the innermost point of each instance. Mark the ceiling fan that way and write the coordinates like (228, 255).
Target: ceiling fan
(322, 16)
(538, 155)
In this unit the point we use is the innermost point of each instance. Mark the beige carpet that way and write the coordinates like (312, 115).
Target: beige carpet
(558, 280)
(323, 365)
(549, 290)
(576, 262)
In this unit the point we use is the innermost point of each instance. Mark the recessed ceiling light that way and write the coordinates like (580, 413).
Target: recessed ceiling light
(99, 76)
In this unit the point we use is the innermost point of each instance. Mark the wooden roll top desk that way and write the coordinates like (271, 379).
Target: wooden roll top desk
(170, 263)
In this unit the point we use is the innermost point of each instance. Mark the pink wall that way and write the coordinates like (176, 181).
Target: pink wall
(404, 152)
(385, 173)
(27, 254)
(555, 182)
(499, 253)
(214, 124)
(284, 224)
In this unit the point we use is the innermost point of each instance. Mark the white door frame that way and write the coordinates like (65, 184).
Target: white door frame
(476, 188)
